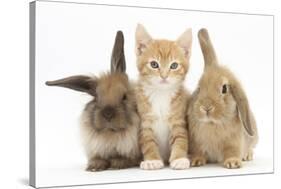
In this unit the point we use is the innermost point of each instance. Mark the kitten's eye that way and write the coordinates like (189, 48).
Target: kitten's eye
(154, 64)
(224, 89)
(124, 97)
(174, 66)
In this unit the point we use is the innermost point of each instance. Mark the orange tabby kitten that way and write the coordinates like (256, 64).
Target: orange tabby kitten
(162, 99)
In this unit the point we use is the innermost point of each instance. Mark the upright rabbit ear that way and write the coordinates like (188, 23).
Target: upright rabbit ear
(78, 83)
(243, 107)
(207, 48)
(118, 63)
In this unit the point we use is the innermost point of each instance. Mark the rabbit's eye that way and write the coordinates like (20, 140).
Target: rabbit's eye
(124, 97)
(174, 66)
(154, 64)
(224, 89)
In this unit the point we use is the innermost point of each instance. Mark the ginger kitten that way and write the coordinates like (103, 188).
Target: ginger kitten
(162, 99)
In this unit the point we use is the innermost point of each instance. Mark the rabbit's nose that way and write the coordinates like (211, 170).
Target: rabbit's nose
(207, 109)
(108, 113)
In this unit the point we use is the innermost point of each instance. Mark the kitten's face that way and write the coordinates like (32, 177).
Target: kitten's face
(162, 63)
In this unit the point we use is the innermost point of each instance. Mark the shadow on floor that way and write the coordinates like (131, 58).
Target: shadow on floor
(24, 181)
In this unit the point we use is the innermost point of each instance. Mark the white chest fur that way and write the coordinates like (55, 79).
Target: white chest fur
(160, 101)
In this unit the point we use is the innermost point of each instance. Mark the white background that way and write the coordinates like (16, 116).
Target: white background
(15, 99)
(72, 39)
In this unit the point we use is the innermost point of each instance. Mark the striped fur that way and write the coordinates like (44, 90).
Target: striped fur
(162, 100)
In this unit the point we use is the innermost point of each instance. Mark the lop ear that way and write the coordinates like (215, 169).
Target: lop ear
(78, 83)
(243, 107)
(185, 42)
(118, 63)
(142, 39)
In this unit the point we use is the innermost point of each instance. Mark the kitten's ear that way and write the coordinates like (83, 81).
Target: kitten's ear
(142, 39)
(185, 42)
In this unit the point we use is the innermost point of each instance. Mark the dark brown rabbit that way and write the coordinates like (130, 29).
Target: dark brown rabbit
(109, 122)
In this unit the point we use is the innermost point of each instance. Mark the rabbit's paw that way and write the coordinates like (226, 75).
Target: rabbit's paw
(248, 156)
(198, 161)
(97, 165)
(232, 163)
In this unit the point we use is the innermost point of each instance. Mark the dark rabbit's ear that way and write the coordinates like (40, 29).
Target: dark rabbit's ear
(207, 48)
(243, 107)
(79, 83)
(118, 63)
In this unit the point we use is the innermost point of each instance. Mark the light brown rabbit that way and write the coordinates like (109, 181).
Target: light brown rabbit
(221, 125)
(110, 123)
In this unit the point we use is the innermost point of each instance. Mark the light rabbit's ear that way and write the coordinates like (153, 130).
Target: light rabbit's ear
(79, 83)
(243, 107)
(118, 62)
(207, 48)
(143, 39)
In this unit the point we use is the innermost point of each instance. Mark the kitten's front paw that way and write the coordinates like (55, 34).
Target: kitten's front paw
(232, 163)
(181, 163)
(151, 164)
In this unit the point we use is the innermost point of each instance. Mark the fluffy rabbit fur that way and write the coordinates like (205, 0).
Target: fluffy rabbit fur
(110, 123)
(221, 125)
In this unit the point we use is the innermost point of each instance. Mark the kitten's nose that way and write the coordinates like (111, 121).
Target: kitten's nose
(164, 77)
(108, 113)
(163, 74)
